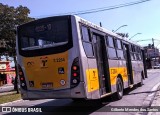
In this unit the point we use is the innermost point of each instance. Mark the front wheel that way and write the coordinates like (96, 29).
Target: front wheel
(119, 86)
(78, 99)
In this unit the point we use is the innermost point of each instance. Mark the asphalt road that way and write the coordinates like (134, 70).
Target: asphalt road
(133, 97)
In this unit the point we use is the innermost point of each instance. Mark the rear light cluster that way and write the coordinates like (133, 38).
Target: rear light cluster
(75, 73)
(21, 78)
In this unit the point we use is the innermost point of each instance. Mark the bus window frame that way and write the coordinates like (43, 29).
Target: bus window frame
(90, 39)
(91, 31)
(118, 49)
(106, 37)
(132, 52)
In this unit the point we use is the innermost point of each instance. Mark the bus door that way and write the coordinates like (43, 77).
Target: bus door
(128, 63)
(144, 62)
(102, 63)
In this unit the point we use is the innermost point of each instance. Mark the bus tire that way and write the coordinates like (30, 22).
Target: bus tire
(119, 87)
(78, 99)
(141, 83)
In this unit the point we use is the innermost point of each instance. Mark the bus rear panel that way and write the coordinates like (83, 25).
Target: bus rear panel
(48, 62)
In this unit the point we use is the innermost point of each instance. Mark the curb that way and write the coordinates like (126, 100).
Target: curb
(149, 99)
(6, 93)
(154, 104)
(156, 98)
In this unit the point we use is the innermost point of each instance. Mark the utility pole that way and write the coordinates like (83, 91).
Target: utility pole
(154, 51)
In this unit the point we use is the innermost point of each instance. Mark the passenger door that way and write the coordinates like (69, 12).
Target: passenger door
(102, 63)
(128, 63)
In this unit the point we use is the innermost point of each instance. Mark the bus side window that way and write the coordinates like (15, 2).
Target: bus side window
(138, 53)
(87, 44)
(120, 53)
(124, 50)
(110, 42)
(119, 44)
(135, 53)
(111, 48)
(132, 52)
(85, 34)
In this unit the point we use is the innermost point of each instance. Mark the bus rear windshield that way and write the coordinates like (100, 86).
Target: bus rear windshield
(45, 36)
(49, 34)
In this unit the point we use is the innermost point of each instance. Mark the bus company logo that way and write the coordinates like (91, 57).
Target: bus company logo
(61, 70)
(44, 62)
(30, 64)
(113, 71)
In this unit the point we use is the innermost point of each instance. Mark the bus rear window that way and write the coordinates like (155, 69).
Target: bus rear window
(47, 34)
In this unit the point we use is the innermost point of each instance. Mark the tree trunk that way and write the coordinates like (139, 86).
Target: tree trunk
(16, 77)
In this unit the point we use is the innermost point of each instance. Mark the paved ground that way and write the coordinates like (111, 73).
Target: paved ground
(156, 99)
(156, 104)
(6, 88)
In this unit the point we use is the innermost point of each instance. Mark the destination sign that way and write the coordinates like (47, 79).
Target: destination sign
(44, 27)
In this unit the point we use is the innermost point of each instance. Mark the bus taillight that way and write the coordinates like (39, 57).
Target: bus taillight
(75, 67)
(75, 73)
(22, 79)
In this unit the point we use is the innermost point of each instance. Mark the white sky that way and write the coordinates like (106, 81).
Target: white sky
(142, 18)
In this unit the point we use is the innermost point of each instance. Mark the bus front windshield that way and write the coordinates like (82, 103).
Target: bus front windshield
(44, 35)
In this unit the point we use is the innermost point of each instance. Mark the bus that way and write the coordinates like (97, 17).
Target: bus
(70, 57)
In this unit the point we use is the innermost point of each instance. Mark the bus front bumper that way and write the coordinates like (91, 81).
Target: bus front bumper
(77, 92)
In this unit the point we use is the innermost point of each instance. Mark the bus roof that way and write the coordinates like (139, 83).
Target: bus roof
(91, 25)
(105, 30)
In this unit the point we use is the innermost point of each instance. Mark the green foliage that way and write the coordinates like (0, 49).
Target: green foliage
(9, 97)
(123, 34)
(10, 18)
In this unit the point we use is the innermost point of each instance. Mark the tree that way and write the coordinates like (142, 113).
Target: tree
(10, 18)
(123, 34)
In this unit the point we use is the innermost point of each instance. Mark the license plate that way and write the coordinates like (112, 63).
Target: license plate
(47, 85)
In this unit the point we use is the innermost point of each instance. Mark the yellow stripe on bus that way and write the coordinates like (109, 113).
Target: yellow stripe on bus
(49, 69)
(114, 73)
(93, 79)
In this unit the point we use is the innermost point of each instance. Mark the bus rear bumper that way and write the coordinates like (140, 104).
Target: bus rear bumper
(77, 92)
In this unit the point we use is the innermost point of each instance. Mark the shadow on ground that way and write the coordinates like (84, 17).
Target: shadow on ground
(61, 106)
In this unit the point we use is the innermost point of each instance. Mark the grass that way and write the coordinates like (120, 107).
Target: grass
(9, 97)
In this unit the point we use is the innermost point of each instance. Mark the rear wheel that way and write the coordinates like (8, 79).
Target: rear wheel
(119, 86)
(78, 99)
